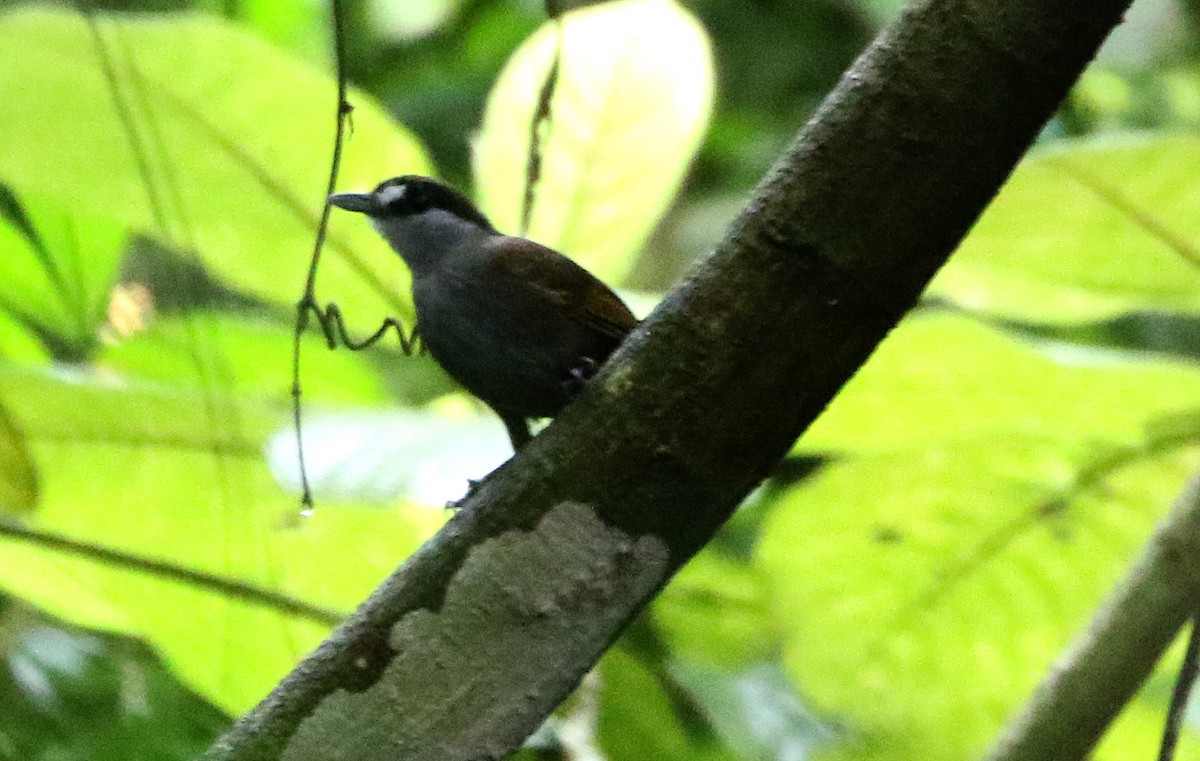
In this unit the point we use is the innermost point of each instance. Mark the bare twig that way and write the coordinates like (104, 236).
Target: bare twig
(1086, 690)
(222, 585)
(539, 126)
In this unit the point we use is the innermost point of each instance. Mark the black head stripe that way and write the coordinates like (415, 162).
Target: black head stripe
(413, 194)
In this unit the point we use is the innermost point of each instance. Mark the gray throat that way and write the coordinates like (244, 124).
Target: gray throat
(424, 240)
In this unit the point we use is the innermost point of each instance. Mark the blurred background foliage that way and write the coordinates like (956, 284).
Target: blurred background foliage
(894, 591)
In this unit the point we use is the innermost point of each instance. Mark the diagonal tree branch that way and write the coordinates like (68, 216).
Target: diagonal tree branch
(1099, 675)
(465, 649)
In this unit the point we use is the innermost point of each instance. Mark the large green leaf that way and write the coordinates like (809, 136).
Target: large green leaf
(941, 378)
(637, 719)
(179, 479)
(58, 274)
(925, 593)
(1085, 231)
(67, 696)
(18, 474)
(18, 343)
(199, 133)
(632, 102)
(714, 612)
(926, 586)
(253, 358)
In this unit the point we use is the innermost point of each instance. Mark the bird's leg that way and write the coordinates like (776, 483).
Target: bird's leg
(518, 434)
(518, 430)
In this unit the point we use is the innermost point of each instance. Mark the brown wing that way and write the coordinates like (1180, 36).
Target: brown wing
(563, 282)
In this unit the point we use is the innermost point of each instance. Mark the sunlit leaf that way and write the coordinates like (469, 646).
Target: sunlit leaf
(1182, 88)
(714, 611)
(301, 28)
(637, 719)
(18, 474)
(1087, 231)
(632, 102)
(18, 343)
(205, 137)
(253, 357)
(59, 276)
(932, 589)
(942, 378)
(179, 479)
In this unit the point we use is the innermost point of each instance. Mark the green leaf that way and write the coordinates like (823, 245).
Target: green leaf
(714, 612)
(637, 719)
(1087, 231)
(940, 378)
(633, 99)
(1182, 91)
(300, 29)
(925, 593)
(17, 343)
(59, 279)
(18, 474)
(133, 476)
(68, 694)
(205, 137)
(250, 357)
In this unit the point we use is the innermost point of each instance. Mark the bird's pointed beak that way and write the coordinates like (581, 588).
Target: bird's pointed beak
(364, 203)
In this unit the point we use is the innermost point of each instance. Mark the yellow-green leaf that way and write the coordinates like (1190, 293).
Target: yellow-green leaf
(203, 136)
(158, 518)
(18, 474)
(1086, 231)
(943, 378)
(633, 99)
(924, 594)
(58, 274)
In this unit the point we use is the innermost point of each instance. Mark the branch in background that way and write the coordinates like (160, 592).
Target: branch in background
(245, 592)
(1188, 672)
(539, 126)
(466, 649)
(1085, 691)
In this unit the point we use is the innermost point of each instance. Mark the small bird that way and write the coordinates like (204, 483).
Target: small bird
(518, 324)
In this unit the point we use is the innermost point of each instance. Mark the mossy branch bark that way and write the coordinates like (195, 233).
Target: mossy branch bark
(467, 647)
